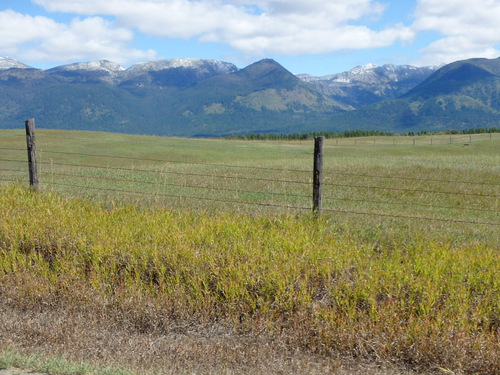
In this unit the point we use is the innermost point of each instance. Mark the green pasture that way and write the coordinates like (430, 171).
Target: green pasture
(441, 185)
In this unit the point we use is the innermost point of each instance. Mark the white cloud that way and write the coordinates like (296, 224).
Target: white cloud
(92, 37)
(42, 39)
(259, 27)
(467, 28)
(256, 28)
(16, 28)
(456, 48)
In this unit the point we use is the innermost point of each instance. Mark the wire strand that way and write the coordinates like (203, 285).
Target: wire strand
(410, 159)
(416, 179)
(185, 196)
(177, 185)
(407, 204)
(12, 149)
(176, 173)
(412, 217)
(413, 190)
(175, 162)
(14, 161)
(289, 207)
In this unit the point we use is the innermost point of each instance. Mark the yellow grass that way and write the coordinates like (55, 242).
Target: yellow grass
(411, 300)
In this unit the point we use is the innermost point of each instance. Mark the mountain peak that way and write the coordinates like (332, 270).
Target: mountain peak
(175, 72)
(101, 65)
(9, 63)
(362, 69)
(458, 77)
(199, 64)
(265, 65)
(267, 71)
(268, 62)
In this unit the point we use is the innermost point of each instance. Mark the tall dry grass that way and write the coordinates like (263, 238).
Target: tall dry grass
(311, 286)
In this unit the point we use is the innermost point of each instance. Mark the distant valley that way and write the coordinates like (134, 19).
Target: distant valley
(197, 98)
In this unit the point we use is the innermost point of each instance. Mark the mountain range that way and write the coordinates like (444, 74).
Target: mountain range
(194, 97)
(461, 95)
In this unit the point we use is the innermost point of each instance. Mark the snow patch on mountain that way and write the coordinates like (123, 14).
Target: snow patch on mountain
(9, 63)
(371, 73)
(363, 69)
(102, 70)
(366, 84)
(101, 65)
(198, 64)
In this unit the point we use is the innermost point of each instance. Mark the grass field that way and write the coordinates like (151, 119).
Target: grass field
(145, 238)
(442, 185)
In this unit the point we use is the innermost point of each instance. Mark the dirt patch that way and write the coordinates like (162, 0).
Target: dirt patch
(80, 335)
(17, 371)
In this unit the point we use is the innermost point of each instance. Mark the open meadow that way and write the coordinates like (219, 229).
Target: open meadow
(170, 255)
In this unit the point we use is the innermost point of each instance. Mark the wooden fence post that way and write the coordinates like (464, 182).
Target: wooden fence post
(318, 174)
(30, 141)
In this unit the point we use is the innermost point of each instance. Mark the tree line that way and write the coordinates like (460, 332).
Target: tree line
(351, 134)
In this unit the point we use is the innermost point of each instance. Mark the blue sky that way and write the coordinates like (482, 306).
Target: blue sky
(318, 37)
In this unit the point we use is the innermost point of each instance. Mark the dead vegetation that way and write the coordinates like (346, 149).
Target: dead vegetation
(104, 335)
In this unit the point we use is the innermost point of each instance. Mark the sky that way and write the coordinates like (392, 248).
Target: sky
(318, 37)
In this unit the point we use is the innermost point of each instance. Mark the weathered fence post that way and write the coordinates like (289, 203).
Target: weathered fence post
(318, 174)
(30, 141)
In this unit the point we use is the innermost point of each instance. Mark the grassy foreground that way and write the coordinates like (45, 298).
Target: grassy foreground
(404, 299)
(35, 362)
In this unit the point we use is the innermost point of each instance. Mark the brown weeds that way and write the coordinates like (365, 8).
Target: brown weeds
(182, 293)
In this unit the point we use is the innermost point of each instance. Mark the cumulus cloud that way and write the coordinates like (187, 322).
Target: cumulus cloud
(41, 38)
(94, 37)
(467, 29)
(16, 28)
(105, 29)
(287, 27)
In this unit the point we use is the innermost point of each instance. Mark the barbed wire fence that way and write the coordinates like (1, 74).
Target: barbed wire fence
(386, 192)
